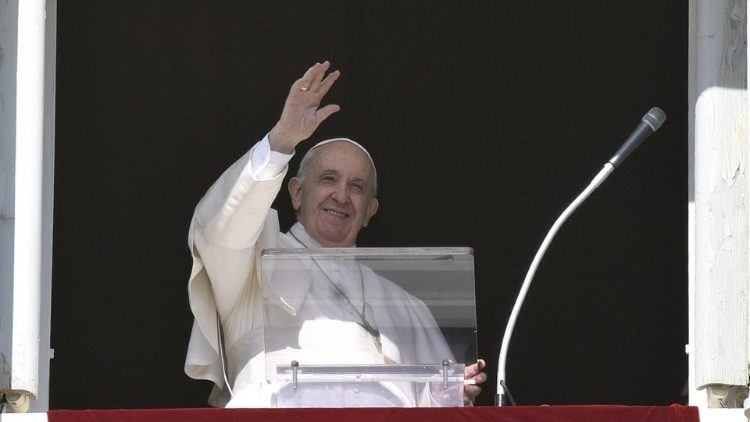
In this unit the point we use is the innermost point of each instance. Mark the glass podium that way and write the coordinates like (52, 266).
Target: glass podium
(368, 327)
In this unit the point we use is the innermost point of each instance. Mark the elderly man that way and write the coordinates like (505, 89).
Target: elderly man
(333, 195)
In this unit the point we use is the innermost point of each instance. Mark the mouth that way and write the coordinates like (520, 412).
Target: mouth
(335, 213)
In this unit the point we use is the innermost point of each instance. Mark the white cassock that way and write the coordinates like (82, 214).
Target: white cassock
(317, 318)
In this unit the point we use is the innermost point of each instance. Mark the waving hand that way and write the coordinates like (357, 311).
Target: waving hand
(302, 113)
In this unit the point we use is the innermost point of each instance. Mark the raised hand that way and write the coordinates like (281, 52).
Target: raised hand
(302, 113)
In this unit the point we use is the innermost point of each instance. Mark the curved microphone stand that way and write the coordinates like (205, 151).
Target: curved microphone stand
(502, 389)
(649, 124)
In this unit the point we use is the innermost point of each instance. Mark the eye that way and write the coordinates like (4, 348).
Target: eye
(358, 187)
(327, 179)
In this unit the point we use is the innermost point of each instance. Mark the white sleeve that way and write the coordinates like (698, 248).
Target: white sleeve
(228, 222)
(267, 164)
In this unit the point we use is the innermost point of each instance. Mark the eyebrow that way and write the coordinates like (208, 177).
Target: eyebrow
(329, 172)
(334, 172)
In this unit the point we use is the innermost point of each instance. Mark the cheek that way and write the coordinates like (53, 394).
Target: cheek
(313, 202)
(362, 211)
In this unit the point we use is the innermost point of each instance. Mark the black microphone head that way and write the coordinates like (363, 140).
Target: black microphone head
(654, 118)
(650, 122)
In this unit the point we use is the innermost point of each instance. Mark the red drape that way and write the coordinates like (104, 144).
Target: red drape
(673, 413)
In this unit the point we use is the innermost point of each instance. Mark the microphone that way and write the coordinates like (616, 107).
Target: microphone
(649, 124)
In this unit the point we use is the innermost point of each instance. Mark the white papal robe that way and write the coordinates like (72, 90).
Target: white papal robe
(231, 225)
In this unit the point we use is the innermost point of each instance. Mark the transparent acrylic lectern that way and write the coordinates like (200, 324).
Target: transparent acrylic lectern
(368, 327)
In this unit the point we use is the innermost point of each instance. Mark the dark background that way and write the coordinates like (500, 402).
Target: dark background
(486, 118)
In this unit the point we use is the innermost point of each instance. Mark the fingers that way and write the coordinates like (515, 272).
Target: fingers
(475, 373)
(472, 391)
(304, 83)
(326, 111)
(475, 369)
(315, 79)
(480, 378)
(327, 83)
(470, 394)
(320, 72)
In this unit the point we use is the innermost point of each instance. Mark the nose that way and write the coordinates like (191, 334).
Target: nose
(340, 194)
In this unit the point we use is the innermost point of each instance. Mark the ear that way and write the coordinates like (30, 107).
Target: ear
(295, 191)
(372, 208)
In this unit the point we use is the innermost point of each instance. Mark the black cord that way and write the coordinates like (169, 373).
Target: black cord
(507, 393)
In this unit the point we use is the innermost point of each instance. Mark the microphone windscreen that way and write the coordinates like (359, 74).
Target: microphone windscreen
(654, 118)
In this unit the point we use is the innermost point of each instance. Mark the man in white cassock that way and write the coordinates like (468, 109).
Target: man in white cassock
(334, 196)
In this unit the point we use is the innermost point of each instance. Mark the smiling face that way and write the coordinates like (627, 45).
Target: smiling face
(336, 198)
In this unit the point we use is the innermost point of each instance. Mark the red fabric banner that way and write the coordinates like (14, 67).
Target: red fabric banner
(674, 413)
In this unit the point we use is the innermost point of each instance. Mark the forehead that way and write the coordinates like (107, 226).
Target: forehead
(342, 157)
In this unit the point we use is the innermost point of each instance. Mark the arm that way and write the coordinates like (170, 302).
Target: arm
(227, 224)
(230, 217)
